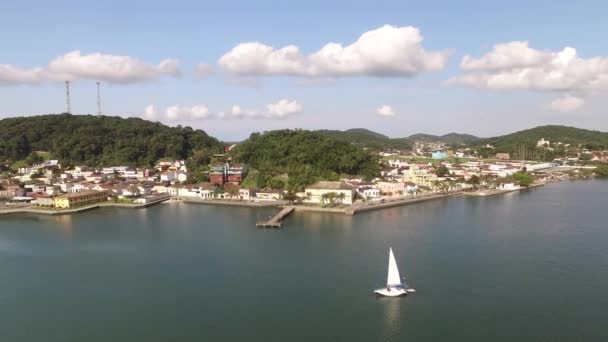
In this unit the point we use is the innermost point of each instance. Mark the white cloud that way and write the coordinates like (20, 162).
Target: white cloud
(109, 68)
(186, 113)
(150, 113)
(567, 103)
(385, 110)
(13, 75)
(282, 109)
(203, 70)
(275, 111)
(388, 51)
(515, 65)
(95, 66)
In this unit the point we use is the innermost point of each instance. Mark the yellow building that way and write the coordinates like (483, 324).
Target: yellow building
(420, 177)
(76, 199)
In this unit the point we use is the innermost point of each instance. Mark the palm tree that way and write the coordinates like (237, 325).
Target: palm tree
(332, 198)
(341, 197)
(324, 197)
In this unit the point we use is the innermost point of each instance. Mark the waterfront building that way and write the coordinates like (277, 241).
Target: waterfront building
(315, 192)
(503, 156)
(11, 191)
(420, 177)
(247, 194)
(395, 188)
(75, 199)
(269, 195)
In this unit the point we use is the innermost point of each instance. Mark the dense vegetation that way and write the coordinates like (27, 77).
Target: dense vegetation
(522, 144)
(450, 138)
(100, 140)
(365, 138)
(303, 156)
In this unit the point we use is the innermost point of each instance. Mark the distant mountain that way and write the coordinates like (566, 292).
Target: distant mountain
(450, 138)
(553, 133)
(365, 138)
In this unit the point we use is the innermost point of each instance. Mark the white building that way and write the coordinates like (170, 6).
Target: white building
(168, 176)
(315, 192)
(542, 142)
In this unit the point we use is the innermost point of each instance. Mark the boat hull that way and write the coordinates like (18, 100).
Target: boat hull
(392, 293)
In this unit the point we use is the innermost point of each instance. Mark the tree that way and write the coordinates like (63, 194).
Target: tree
(601, 170)
(341, 197)
(231, 188)
(277, 183)
(442, 171)
(33, 158)
(524, 178)
(474, 180)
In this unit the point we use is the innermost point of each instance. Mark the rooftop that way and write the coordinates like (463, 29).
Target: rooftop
(329, 185)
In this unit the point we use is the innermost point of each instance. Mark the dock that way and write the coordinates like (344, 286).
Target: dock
(276, 221)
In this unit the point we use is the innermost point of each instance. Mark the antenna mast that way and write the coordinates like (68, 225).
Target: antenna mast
(98, 100)
(67, 94)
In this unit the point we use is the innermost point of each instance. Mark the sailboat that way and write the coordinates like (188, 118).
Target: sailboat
(394, 286)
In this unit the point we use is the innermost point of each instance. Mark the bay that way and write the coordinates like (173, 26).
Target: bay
(525, 266)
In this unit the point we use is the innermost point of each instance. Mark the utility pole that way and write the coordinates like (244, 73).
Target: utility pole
(67, 95)
(98, 100)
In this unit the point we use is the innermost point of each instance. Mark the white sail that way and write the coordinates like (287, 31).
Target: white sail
(393, 272)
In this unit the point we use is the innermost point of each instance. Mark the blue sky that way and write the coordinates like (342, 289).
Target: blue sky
(34, 33)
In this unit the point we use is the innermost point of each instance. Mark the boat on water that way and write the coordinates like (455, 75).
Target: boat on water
(394, 286)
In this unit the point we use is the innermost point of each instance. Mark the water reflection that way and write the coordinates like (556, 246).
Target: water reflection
(65, 226)
(391, 318)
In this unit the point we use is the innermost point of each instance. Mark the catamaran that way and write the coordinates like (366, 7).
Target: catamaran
(394, 286)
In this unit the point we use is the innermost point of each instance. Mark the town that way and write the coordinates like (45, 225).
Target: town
(429, 169)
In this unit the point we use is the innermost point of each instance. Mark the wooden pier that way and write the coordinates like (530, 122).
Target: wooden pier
(276, 221)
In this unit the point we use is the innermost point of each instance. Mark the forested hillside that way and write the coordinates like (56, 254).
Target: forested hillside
(304, 156)
(365, 138)
(99, 140)
(567, 135)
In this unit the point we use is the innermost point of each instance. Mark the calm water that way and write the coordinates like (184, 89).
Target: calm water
(529, 266)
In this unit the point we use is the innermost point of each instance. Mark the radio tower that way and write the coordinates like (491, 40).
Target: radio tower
(98, 100)
(67, 94)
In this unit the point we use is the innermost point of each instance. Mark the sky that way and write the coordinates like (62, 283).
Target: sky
(233, 68)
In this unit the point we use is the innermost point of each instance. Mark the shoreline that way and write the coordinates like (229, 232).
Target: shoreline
(54, 212)
(350, 210)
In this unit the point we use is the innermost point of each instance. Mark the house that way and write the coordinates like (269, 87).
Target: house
(44, 201)
(66, 187)
(11, 191)
(369, 192)
(182, 177)
(396, 188)
(131, 191)
(236, 173)
(508, 186)
(168, 176)
(317, 192)
(247, 194)
(503, 156)
(80, 198)
(35, 188)
(269, 195)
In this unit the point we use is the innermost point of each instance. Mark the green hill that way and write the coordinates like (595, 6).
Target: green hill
(365, 138)
(450, 138)
(99, 140)
(304, 156)
(567, 135)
